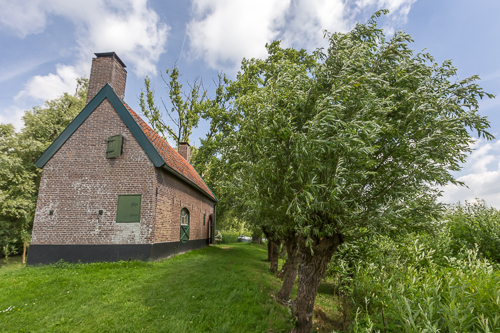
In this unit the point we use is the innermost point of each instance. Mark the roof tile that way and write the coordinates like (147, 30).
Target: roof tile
(171, 157)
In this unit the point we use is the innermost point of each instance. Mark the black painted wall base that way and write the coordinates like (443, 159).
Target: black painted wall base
(49, 254)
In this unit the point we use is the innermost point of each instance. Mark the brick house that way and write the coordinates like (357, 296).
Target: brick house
(112, 189)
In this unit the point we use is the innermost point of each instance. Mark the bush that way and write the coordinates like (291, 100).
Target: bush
(229, 237)
(409, 286)
(474, 223)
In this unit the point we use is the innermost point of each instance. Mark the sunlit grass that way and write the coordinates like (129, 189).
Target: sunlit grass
(214, 289)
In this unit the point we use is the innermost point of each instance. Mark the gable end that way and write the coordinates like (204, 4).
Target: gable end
(106, 92)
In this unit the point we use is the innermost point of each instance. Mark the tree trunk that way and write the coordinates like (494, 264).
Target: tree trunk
(275, 253)
(311, 271)
(282, 271)
(269, 249)
(269, 243)
(24, 252)
(290, 270)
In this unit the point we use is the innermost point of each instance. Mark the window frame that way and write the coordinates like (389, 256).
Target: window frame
(188, 216)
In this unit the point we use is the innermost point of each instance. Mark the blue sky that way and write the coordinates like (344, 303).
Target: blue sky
(47, 44)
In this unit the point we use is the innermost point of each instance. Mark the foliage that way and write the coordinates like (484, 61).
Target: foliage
(358, 139)
(413, 289)
(19, 177)
(184, 113)
(474, 224)
(229, 237)
(207, 290)
(437, 282)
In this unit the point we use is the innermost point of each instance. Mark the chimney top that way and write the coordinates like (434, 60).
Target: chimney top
(185, 151)
(110, 55)
(107, 68)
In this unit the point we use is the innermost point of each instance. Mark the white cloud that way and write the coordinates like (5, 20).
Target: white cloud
(22, 17)
(481, 175)
(222, 32)
(12, 115)
(53, 85)
(129, 28)
(225, 31)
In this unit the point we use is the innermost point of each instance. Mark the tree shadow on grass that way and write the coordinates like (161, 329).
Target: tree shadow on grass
(210, 290)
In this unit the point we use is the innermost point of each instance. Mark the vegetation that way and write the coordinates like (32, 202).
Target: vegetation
(354, 142)
(19, 177)
(334, 156)
(422, 282)
(229, 237)
(210, 290)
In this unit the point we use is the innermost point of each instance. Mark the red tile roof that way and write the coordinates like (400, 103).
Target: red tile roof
(171, 157)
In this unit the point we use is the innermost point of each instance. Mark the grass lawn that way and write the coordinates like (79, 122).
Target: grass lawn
(215, 289)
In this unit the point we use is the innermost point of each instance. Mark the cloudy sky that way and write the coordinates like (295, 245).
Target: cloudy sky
(47, 44)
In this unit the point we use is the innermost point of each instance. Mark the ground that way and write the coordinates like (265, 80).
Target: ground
(215, 289)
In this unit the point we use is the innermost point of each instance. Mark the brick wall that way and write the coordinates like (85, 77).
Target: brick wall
(173, 195)
(79, 180)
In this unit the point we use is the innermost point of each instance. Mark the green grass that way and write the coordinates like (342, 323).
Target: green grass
(215, 289)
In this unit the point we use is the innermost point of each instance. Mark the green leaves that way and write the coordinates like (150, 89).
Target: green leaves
(19, 178)
(357, 135)
(185, 110)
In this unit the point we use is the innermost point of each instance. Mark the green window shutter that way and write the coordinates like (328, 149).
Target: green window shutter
(204, 218)
(114, 148)
(184, 233)
(129, 208)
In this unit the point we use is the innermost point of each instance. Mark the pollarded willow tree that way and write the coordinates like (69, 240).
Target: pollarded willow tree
(358, 141)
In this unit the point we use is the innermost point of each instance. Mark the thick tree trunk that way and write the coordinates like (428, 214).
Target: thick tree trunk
(290, 270)
(275, 253)
(311, 271)
(24, 252)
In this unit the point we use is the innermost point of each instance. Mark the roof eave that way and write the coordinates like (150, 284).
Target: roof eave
(187, 180)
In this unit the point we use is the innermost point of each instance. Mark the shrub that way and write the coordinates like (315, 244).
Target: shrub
(408, 286)
(474, 223)
(229, 237)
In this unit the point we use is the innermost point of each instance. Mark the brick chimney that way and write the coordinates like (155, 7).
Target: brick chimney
(107, 68)
(185, 151)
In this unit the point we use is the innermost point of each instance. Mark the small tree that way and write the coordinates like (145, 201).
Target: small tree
(184, 113)
(357, 141)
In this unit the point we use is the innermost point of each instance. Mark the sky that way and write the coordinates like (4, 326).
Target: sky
(47, 44)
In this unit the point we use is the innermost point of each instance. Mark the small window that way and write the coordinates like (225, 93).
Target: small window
(204, 218)
(114, 146)
(184, 216)
(129, 208)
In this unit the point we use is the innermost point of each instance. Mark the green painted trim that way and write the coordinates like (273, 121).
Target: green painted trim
(134, 127)
(185, 229)
(109, 93)
(118, 210)
(149, 148)
(72, 127)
